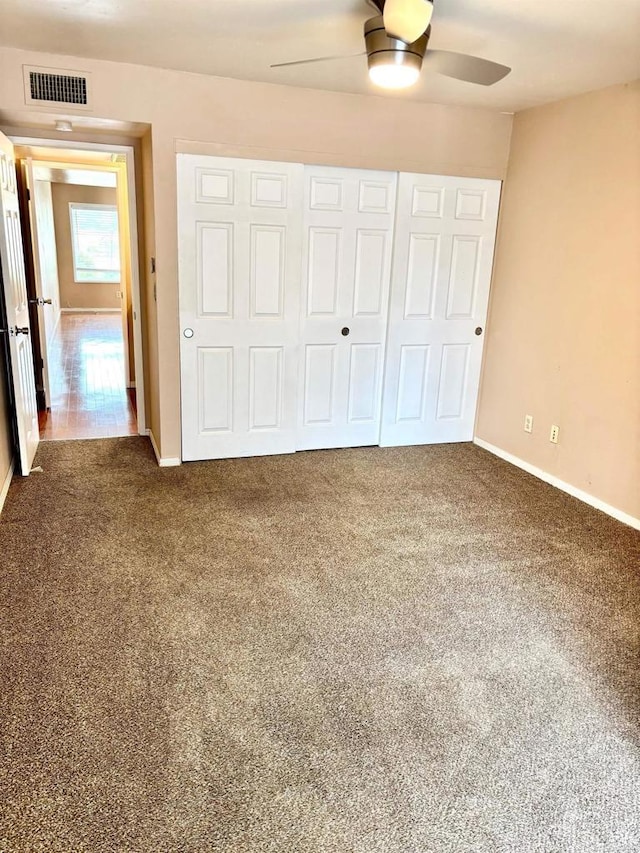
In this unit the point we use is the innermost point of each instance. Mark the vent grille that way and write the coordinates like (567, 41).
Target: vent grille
(58, 88)
(44, 87)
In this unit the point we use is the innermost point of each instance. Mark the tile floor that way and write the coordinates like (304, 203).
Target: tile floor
(89, 396)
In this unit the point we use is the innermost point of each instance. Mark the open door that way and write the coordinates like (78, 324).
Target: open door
(45, 266)
(17, 305)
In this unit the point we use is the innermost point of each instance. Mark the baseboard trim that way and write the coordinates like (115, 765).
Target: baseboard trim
(585, 497)
(5, 486)
(90, 311)
(163, 462)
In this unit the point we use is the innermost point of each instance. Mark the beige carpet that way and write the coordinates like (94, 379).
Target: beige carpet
(418, 650)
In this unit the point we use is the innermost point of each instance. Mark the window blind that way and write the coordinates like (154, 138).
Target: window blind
(95, 241)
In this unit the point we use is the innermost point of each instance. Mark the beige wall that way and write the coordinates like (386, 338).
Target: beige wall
(72, 294)
(192, 112)
(564, 327)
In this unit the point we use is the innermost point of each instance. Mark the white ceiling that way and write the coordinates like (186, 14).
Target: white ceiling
(556, 48)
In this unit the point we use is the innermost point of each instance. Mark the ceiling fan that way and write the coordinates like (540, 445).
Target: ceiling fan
(396, 42)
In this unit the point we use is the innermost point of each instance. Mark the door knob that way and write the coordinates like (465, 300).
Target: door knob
(478, 330)
(345, 331)
(188, 333)
(21, 330)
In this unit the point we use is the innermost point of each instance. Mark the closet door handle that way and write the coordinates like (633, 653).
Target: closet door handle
(478, 330)
(345, 331)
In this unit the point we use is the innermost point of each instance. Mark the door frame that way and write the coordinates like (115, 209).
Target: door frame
(128, 152)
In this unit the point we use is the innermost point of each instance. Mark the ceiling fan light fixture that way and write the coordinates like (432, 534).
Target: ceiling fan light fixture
(407, 19)
(393, 64)
(389, 73)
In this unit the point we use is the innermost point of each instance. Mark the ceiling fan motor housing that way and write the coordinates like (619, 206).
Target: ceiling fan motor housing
(384, 50)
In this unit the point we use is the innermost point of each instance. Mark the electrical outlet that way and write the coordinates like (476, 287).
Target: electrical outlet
(555, 432)
(528, 423)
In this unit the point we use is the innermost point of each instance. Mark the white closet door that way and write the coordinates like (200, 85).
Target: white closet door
(443, 256)
(240, 232)
(348, 225)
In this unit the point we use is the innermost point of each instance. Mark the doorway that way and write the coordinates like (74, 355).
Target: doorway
(89, 393)
(80, 240)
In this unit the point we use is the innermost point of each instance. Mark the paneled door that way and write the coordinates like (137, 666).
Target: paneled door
(45, 265)
(240, 236)
(443, 256)
(348, 224)
(17, 311)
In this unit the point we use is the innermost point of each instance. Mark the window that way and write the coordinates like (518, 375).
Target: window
(95, 243)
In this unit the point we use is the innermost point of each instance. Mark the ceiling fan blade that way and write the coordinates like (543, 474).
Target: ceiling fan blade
(461, 66)
(317, 59)
(407, 20)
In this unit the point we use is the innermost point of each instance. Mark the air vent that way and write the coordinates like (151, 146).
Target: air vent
(58, 87)
(48, 86)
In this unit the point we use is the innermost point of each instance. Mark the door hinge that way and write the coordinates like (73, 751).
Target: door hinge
(41, 364)
(28, 194)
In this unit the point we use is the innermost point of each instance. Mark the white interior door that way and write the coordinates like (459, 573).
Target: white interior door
(443, 256)
(240, 236)
(348, 222)
(15, 294)
(45, 264)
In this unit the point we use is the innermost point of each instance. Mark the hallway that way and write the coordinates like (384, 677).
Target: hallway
(89, 397)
